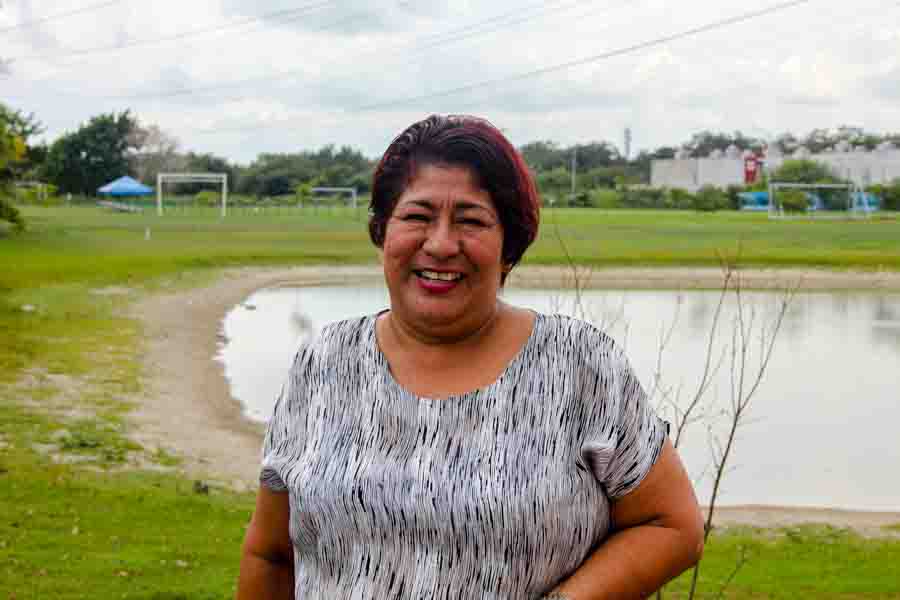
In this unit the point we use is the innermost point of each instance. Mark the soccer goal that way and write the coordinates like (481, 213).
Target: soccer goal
(163, 178)
(817, 200)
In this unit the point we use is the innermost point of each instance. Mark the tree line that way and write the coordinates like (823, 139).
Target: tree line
(110, 145)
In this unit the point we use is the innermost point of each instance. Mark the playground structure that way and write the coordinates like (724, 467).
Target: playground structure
(858, 203)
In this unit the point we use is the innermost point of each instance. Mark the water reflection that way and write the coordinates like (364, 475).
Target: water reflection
(821, 431)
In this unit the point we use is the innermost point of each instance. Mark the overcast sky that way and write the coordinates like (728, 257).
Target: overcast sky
(288, 75)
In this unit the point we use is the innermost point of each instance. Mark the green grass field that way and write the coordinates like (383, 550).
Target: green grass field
(70, 362)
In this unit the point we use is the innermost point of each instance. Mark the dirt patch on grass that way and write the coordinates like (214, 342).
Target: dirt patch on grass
(870, 524)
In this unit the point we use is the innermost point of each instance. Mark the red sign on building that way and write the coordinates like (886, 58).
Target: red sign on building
(751, 169)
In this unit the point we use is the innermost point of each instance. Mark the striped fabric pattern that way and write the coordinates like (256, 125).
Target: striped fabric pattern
(499, 493)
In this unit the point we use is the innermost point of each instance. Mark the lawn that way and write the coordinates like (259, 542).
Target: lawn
(90, 525)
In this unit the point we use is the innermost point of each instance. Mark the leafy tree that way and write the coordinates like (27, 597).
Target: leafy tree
(703, 143)
(156, 152)
(95, 154)
(595, 155)
(12, 148)
(556, 181)
(544, 156)
(207, 163)
(803, 171)
(23, 127)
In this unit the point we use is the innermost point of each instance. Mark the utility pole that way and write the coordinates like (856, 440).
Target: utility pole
(627, 143)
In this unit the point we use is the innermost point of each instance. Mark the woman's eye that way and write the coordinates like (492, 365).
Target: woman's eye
(414, 217)
(473, 222)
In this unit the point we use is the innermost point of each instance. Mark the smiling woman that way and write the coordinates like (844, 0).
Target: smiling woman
(456, 446)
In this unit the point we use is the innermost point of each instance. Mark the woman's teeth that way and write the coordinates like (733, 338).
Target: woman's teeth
(440, 276)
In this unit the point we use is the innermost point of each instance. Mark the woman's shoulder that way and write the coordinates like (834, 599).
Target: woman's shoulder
(576, 333)
(334, 344)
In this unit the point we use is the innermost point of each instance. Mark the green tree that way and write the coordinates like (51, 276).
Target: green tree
(803, 171)
(703, 143)
(23, 127)
(12, 148)
(92, 156)
(555, 182)
(544, 156)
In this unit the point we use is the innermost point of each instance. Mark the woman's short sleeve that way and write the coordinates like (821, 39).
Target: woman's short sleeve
(639, 432)
(282, 443)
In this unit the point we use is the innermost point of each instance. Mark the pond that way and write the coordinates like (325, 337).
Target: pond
(821, 431)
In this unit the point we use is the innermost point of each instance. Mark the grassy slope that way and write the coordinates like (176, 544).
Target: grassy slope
(92, 530)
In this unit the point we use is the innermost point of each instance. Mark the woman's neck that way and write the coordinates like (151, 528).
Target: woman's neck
(409, 338)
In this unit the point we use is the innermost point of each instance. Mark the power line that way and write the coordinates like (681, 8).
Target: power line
(427, 42)
(597, 57)
(176, 36)
(744, 17)
(57, 16)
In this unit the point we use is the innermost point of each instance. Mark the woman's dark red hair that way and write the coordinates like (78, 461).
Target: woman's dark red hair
(464, 141)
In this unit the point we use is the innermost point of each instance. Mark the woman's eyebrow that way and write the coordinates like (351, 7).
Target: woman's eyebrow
(422, 202)
(472, 205)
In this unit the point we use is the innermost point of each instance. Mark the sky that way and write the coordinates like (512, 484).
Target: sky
(239, 78)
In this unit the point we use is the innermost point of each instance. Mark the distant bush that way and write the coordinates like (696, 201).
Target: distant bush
(679, 199)
(207, 198)
(710, 198)
(889, 194)
(643, 198)
(793, 201)
(9, 213)
(606, 198)
(732, 194)
(46, 196)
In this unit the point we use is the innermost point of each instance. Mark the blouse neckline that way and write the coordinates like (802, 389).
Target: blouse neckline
(383, 365)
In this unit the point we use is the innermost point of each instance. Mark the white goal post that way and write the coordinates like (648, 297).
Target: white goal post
(162, 178)
(336, 190)
(855, 194)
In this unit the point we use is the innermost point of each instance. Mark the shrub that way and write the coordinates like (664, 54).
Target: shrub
(793, 201)
(606, 198)
(9, 213)
(709, 199)
(207, 198)
(734, 200)
(643, 198)
(889, 194)
(582, 200)
(680, 199)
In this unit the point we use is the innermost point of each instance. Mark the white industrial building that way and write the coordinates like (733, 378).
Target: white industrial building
(722, 169)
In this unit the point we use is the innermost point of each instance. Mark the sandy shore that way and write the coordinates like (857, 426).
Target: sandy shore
(188, 408)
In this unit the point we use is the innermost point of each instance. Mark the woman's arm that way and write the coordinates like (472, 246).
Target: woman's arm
(267, 556)
(658, 533)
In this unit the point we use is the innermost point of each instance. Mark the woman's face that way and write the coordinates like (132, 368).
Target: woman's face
(443, 250)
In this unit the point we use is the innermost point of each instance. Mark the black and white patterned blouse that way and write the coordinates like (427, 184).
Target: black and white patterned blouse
(498, 493)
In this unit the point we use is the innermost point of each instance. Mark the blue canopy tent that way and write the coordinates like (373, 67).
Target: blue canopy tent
(124, 187)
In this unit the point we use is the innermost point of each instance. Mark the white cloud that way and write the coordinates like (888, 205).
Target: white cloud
(305, 76)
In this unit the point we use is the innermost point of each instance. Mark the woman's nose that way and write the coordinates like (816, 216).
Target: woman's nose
(442, 241)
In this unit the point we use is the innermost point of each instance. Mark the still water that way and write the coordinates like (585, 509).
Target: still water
(823, 429)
